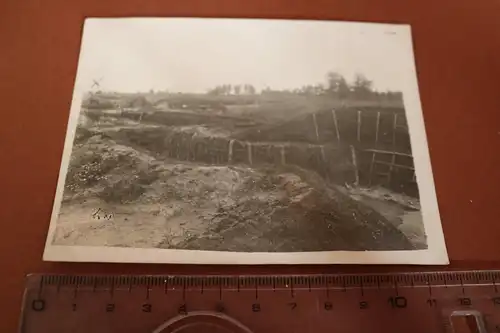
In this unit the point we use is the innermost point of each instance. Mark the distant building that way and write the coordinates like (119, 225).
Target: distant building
(163, 105)
(138, 102)
(96, 102)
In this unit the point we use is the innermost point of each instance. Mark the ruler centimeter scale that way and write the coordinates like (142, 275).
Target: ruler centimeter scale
(430, 302)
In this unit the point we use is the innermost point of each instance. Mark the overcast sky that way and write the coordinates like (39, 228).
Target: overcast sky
(194, 55)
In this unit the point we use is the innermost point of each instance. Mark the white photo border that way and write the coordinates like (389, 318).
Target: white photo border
(435, 254)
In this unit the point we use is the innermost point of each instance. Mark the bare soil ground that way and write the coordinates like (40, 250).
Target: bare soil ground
(117, 194)
(401, 211)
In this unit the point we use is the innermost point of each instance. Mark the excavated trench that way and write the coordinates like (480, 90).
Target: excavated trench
(169, 187)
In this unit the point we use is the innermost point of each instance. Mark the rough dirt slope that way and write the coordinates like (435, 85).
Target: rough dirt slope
(119, 195)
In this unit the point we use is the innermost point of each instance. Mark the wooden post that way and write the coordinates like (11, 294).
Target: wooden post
(378, 125)
(230, 154)
(191, 151)
(322, 151)
(315, 123)
(371, 168)
(355, 163)
(335, 123)
(394, 126)
(249, 150)
(359, 126)
(283, 156)
(393, 161)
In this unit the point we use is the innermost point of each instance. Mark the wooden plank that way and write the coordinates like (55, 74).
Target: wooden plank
(230, 154)
(355, 163)
(335, 123)
(315, 123)
(394, 126)
(249, 151)
(359, 126)
(391, 166)
(322, 151)
(395, 165)
(387, 152)
(372, 163)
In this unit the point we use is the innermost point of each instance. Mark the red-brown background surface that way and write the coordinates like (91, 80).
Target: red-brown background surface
(457, 46)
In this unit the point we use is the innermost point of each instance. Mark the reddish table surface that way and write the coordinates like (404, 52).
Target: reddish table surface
(457, 46)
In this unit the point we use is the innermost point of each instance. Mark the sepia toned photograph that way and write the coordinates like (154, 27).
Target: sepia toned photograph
(239, 141)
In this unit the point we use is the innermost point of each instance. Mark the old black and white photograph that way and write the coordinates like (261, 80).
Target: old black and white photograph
(245, 141)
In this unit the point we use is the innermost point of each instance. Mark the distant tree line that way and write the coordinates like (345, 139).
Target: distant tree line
(361, 88)
(337, 86)
(236, 89)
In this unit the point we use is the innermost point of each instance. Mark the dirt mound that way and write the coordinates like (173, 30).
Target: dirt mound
(188, 205)
(101, 168)
(290, 215)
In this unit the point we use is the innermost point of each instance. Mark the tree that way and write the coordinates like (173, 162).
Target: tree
(333, 81)
(249, 89)
(319, 89)
(362, 87)
(237, 89)
(337, 84)
(307, 90)
(213, 91)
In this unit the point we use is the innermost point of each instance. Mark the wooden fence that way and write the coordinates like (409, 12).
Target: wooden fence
(333, 162)
(365, 147)
(378, 139)
(381, 144)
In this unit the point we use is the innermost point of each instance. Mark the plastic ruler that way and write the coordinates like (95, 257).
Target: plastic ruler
(407, 302)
